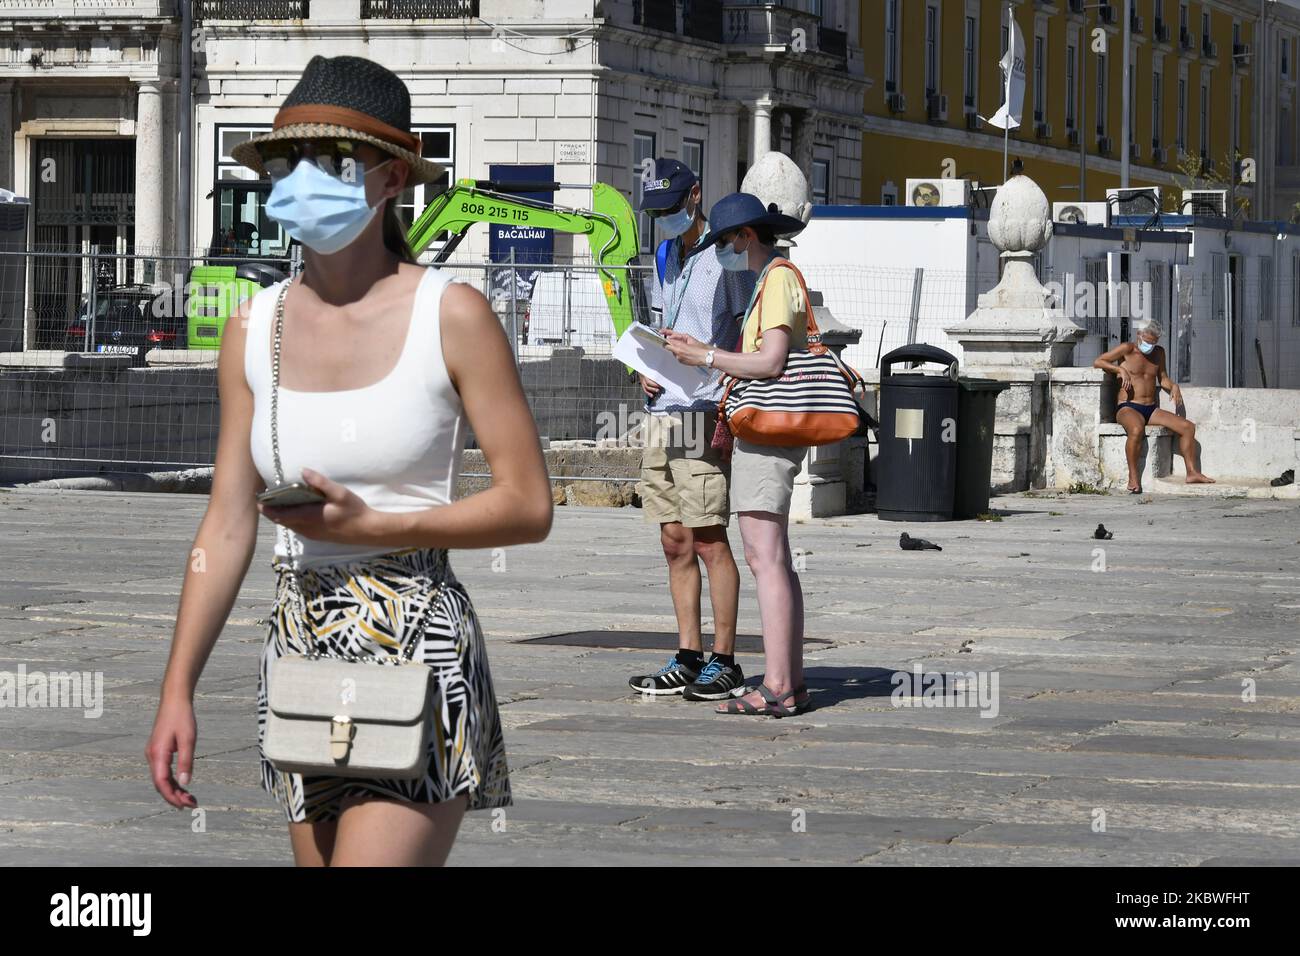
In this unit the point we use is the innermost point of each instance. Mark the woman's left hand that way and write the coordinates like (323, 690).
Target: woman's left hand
(343, 516)
(688, 350)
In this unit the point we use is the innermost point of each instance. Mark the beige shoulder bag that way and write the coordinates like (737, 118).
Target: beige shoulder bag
(344, 716)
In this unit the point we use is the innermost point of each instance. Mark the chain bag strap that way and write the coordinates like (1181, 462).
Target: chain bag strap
(343, 714)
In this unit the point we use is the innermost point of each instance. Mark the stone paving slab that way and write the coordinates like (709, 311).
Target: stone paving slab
(1119, 690)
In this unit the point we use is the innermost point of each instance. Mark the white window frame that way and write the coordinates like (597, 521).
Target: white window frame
(424, 193)
(828, 195)
(689, 143)
(645, 225)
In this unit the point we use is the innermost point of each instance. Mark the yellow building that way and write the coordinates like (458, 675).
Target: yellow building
(936, 71)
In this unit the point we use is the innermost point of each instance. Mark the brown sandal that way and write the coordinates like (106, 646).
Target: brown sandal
(772, 706)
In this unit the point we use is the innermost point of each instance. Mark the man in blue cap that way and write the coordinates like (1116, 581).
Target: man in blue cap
(684, 481)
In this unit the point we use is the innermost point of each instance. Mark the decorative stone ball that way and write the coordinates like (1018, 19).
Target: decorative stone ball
(776, 178)
(1020, 219)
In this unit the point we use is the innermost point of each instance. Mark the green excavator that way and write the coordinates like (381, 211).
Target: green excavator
(610, 228)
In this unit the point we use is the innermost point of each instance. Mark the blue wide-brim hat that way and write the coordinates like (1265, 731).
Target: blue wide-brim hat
(744, 209)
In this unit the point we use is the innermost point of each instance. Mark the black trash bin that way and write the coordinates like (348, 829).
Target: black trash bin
(977, 400)
(916, 466)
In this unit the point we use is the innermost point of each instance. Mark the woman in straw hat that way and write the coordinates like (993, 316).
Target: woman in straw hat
(361, 382)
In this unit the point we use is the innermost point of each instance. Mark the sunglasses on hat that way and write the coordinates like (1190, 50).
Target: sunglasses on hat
(336, 157)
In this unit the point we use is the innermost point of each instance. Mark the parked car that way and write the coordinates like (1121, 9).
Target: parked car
(129, 319)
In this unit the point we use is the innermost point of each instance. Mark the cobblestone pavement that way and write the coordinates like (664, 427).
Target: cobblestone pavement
(1146, 709)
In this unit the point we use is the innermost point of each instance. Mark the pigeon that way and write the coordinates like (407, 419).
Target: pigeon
(1101, 534)
(908, 543)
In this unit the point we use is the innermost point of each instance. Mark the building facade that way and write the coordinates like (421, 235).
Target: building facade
(574, 91)
(1194, 98)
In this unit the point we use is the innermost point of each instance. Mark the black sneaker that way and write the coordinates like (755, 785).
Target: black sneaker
(717, 681)
(669, 679)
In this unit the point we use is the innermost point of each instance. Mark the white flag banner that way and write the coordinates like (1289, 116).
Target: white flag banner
(1013, 73)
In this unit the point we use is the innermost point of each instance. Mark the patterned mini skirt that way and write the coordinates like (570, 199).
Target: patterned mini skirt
(351, 607)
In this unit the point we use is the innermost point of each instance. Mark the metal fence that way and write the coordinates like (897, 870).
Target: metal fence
(108, 360)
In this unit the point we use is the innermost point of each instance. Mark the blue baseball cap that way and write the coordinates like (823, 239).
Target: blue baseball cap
(667, 186)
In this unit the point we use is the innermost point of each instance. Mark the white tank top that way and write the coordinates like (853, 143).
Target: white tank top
(397, 443)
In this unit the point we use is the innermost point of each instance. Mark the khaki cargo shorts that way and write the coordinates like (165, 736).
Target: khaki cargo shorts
(682, 477)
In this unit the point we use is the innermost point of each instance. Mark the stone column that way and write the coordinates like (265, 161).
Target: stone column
(7, 130)
(760, 129)
(148, 176)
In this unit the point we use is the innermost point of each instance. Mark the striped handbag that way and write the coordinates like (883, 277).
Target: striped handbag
(810, 403)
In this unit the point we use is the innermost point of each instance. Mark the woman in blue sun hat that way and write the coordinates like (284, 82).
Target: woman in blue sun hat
(742, 235)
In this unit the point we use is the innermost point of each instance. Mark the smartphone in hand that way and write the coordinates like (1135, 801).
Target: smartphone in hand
(296, 493)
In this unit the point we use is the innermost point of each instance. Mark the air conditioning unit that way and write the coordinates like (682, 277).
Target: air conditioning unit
(1091, 213)
(1076, 6)
(1074, 136)
(1207, 164)
(896, 102)
(973, 121)
(1104, 145)
(937, 108)
(1135, 24)
(1241, 49)
(1043, 130)
(1106, 13)
(1205, 202)
(938, 192)
(1134, 202)
(1209, 48)
(1159, 156)
(1134, 151)
(1161, 32)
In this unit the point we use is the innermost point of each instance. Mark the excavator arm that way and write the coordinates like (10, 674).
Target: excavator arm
(610, 228)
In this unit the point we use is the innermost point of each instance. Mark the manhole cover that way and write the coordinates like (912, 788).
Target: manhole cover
(647, 640)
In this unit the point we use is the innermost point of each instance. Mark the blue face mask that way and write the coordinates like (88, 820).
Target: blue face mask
(321, 211)
(676, 224)
(1146, 347)
(730, 259)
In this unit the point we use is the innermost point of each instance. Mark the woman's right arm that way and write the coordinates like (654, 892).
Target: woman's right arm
(214, 571)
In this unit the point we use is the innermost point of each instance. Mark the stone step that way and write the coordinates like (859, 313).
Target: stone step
(1222, 488)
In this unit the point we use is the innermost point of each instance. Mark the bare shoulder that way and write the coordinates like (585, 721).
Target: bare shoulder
(464, 308)
(235, 335)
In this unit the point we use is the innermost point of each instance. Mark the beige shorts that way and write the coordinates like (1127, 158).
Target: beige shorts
(762, 476)
(682, 477)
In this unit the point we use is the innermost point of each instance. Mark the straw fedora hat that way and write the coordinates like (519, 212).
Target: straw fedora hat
(350, 97)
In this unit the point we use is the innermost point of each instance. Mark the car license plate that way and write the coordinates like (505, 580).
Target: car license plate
(117, 349)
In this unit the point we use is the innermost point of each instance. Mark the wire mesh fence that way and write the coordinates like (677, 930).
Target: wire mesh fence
(108, 360)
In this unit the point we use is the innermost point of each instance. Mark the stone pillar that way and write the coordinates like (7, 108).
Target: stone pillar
(760, 126)
(1017, 334)
(149, 177)
(7, 130)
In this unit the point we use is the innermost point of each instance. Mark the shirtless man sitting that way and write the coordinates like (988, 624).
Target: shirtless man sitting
(1140, 365)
